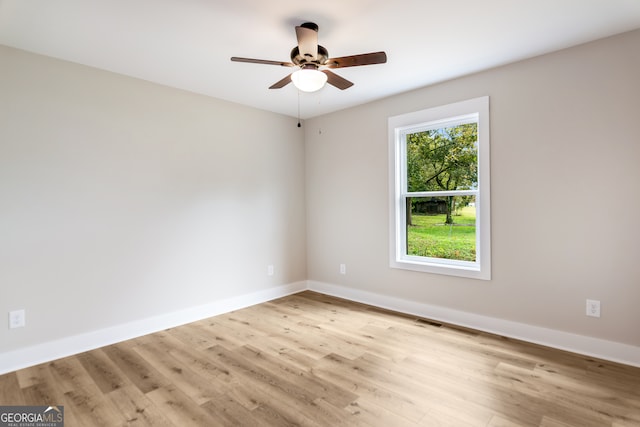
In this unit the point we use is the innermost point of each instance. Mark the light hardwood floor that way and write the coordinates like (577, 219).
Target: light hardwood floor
(313, 360)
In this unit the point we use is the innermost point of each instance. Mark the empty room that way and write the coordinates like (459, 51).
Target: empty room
(349, 213)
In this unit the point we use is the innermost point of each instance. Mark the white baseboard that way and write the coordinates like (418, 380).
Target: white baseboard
(588, 346)
(48, 351)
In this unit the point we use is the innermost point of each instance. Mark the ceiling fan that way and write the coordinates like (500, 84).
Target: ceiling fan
(314, 63)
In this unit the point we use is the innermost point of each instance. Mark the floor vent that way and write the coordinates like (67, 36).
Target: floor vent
(429, 322)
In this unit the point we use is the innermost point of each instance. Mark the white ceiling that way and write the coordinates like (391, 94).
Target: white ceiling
(187, 43)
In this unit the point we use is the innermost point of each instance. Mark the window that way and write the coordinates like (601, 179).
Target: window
(439, 190)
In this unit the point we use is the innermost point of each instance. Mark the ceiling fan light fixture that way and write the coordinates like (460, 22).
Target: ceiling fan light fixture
(309, 79)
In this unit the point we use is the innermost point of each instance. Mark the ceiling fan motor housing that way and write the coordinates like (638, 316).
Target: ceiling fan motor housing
(300, 60)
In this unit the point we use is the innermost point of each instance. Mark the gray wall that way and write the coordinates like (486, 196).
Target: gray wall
(565, 148)
(121, 199)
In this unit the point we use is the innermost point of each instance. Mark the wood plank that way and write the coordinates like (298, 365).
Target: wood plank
(136, 408)
(84, 399)
(103, 371)
(179, 408)
(408, 402)
(326, 390)
(33, 375)
(550, 422)
(226, 411)
(39, 387)
(290, 398)
(181, 376)
(137, 370)
(365, 413)
(10, 391)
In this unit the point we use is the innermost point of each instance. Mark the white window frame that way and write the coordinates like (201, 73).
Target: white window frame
(433, 118)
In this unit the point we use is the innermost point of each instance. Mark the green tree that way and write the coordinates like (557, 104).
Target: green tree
(442, 159)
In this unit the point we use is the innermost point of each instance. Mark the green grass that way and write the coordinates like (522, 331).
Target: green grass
(429, 236)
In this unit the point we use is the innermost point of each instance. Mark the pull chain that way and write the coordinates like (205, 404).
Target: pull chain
(299, 125)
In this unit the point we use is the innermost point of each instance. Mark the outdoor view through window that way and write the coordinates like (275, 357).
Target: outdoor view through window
(441, 186)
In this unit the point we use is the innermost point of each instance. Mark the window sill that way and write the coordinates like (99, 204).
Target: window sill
(446, 267)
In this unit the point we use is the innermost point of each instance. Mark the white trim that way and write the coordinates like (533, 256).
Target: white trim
(52, 350)
(580, 344)
(48, 351)
(442, 193)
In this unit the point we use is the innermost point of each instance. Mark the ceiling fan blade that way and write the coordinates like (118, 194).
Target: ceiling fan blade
(262, 61)
(282, 83)
(357, 60)
(307, 35)
(337, 81)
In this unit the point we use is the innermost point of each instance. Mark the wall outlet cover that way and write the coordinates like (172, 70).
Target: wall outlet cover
(16, 319)
(593, 308)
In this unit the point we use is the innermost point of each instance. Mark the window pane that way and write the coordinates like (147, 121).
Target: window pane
(443, 159)
(442, 227)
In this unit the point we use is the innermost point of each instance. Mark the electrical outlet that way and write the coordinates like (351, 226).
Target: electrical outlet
(16, 319)
(270, 270)
(343, 268)
(593, 308)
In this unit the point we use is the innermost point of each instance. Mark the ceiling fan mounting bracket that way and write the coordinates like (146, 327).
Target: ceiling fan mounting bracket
(310, 25)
